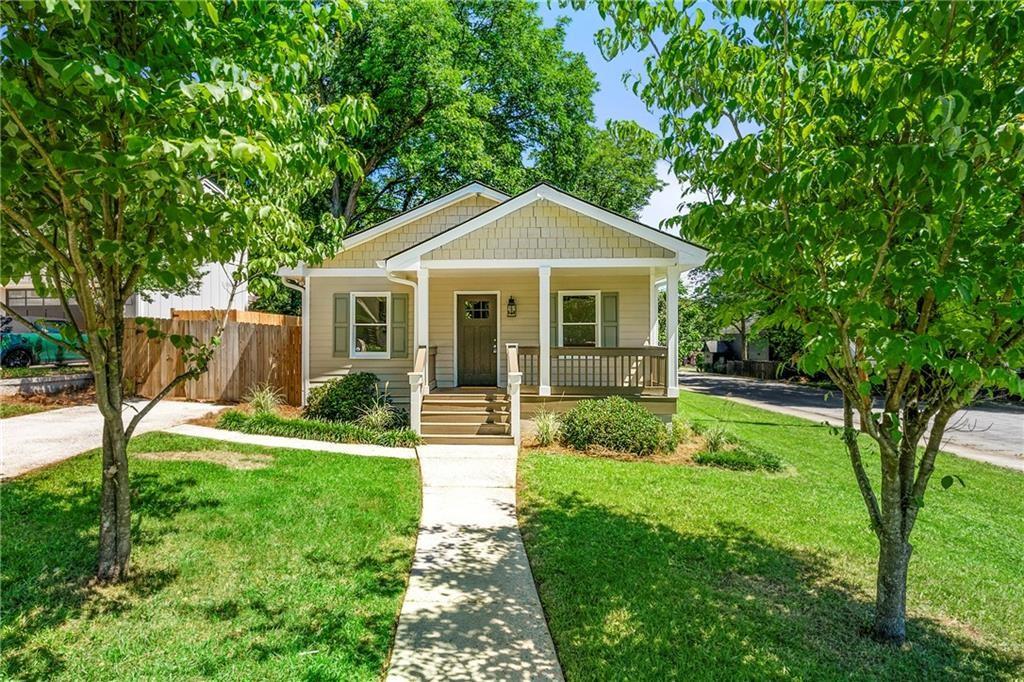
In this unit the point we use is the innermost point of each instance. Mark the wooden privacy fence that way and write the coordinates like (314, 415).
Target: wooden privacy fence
(252, 316)
(249, 355)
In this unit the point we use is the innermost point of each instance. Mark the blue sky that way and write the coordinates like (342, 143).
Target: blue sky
(615, 100)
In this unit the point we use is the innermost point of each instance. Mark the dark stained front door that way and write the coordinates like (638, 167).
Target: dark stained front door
(477, 316)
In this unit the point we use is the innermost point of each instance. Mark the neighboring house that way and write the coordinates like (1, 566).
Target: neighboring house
(212, 291)
(447, 301)
(729, 346)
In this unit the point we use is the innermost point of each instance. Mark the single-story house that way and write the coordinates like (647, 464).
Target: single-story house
(477, 307)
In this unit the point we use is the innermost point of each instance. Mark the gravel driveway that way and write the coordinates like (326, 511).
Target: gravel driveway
(987, 432)
(36, 440)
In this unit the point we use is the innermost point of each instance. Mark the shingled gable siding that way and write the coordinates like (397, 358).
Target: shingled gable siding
(367, 254)
(632, 286)
(546, 230)
(324, 365)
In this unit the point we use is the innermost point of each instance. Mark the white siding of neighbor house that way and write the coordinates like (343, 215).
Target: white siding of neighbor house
(367, 254)
(544, 229)
(213, 292)
(323, 365)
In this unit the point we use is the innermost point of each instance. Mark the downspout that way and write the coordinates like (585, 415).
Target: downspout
(305, 332)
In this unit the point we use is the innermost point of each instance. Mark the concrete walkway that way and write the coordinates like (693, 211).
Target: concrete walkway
(293, 443)
(36, 440)
(985, 432)
(471, 611)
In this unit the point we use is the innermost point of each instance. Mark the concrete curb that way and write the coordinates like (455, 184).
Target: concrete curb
(57, 383)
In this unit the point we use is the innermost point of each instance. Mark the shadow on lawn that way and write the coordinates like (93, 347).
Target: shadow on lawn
(49, 547)
(631, 599)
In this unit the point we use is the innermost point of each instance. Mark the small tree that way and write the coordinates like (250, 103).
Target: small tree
(114, 117)
(872, 194)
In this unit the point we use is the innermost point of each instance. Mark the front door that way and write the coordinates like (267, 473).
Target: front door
(477, 316)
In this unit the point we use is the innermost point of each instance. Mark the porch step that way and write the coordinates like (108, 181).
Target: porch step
(467, 416)
(445, 439)
(465, 405)
(464, 429)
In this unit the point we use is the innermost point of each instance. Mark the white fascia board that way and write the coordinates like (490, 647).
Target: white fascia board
(298, 271)
(472, 189)
(533, 263)
(685, 252)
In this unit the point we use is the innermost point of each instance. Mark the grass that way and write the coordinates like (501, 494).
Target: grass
(292, 567)
(42, 371)
(16, 409)
(649, 571)
(312, 429)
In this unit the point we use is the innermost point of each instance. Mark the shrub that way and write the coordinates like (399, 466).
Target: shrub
(614, 423)
(344, 399)
(741, 458)
(311, 429)
(380, 415)
(715, 439)
(680, 431)
(547, 428)
(264, 398)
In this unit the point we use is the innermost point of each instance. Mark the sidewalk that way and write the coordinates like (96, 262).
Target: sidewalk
(471, 611)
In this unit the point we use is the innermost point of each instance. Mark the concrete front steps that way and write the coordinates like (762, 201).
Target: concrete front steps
(466, 418)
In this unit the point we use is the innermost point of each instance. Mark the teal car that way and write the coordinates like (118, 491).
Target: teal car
(21, 349)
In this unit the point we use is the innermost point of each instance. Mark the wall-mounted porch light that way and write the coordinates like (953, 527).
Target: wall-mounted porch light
(511, 308)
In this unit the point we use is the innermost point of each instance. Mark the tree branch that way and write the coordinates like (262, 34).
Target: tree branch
(863, 482)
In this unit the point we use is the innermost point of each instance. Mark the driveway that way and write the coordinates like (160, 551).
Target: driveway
(36, 440)
(986, 432)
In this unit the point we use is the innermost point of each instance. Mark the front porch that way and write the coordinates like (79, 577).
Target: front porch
(538, 338)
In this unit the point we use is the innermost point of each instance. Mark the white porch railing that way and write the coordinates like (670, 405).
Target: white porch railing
(599, 370)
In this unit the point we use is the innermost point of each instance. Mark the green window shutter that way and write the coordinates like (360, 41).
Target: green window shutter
(554, 320)
(609, 319)
(399, 325)
(341, 325)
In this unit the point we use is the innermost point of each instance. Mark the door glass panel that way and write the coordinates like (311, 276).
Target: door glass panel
(477, 310)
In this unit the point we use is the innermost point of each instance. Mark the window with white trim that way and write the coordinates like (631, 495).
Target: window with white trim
(579, 318)
(371, 318)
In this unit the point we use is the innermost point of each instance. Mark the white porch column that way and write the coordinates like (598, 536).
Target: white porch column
(422, 324)
(545, 330)
(305, 338)
(672, 328)
(652, 339)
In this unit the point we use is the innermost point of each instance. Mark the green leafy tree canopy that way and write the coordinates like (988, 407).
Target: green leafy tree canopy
(871, 195)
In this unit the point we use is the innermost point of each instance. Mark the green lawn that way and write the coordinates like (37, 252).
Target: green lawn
(42, 371)
(16, 409)
(651, 571)
(291, 571)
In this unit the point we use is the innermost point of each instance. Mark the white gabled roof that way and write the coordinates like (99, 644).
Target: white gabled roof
(686, 252)
(453, 197)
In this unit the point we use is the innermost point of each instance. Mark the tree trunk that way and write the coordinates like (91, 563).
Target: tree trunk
(336, 196)
(891, 598)
(115, 506)
(115, 497)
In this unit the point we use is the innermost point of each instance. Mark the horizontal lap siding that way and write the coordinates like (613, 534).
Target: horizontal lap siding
(524, 329)
(366, 255)
(546, 230)
(323, 366)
